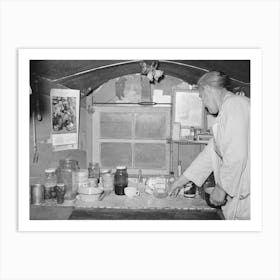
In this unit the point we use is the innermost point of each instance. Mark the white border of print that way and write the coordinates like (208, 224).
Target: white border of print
(255, 224)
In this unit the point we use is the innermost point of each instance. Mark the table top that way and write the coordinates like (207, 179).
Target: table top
(143, 201)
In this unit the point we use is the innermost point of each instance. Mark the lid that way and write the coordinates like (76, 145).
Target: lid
(121, 167)
(50, 170)
(60, 184)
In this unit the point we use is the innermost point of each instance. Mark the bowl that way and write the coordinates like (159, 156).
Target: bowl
(160, 193)
(189, 190)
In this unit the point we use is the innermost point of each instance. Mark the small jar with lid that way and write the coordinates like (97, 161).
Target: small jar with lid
(120, 180)
(50, 183)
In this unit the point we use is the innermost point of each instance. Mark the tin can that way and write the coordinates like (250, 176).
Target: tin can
(37, 194)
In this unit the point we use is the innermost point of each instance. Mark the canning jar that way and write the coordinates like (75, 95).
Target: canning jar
(50, 183)
(65, 176)
(120, 180)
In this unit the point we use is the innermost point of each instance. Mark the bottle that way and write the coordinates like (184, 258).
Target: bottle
(179, 168)
(94, 170)
(140, 177)
(192, 133)
(120, 180)
(171, 179)
(50, 183)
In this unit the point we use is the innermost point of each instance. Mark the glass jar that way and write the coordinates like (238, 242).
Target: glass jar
(120, 180)
(107, 180)
(60, 192)
(94, 170)
(65, 176)
(50, 183)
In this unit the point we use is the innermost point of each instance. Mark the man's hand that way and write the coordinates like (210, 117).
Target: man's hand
(175, 190)
(178, 185)
(218, 196)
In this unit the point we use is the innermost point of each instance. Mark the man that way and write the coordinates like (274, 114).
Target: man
(228, 153)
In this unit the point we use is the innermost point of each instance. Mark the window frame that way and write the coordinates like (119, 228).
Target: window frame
(94, 140)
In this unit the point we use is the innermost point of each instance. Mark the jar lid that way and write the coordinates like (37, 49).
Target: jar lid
(50, 170)
(60, 184)
(121, 167)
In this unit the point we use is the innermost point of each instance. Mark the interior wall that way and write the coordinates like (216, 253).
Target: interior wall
(47, 157)
(107, 93)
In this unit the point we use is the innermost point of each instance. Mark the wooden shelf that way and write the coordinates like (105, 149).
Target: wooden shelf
(186, 141)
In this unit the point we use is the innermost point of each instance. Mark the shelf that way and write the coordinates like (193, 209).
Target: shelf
(186, 142)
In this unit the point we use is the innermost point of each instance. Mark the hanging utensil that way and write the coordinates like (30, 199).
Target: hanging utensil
(35, 150)
(37, 101)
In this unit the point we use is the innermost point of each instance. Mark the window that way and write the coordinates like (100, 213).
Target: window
(134, 136)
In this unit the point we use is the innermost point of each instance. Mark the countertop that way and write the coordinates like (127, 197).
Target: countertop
(117, 207)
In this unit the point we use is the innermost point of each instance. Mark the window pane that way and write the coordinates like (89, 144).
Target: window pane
(114, 154)
(150, 156)
(115, 125)
(151, 126)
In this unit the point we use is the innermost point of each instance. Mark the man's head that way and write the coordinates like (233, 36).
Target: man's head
(211, 87)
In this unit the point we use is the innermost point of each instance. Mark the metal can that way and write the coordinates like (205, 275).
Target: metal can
(37, 194)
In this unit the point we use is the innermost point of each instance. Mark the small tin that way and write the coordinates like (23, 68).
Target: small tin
(37, 194)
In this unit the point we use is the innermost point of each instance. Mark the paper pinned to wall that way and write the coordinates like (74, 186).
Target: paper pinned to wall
(159, 97)
(188, 108)
(65, 109)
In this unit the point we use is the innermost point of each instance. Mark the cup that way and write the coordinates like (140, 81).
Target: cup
(131, 191)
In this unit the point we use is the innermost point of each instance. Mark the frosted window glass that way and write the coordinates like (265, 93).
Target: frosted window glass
(150, 156)
(114, 154)
(151, 126)
(115, 125)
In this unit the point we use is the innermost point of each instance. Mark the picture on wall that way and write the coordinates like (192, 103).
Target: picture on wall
(64, 118)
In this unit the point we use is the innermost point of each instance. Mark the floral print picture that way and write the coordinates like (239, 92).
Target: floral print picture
(64, 114)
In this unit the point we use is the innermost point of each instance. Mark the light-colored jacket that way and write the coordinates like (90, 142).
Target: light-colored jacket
(228, 156)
